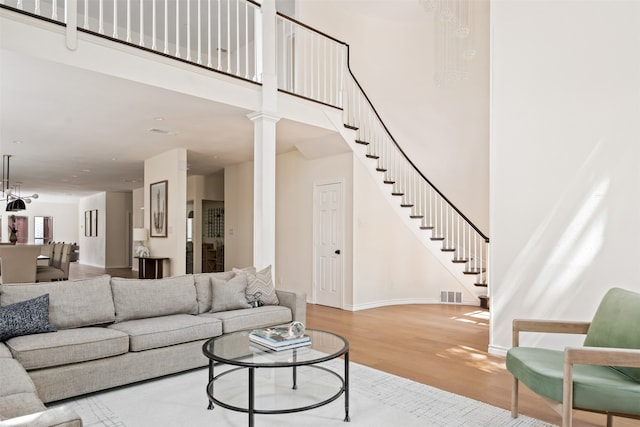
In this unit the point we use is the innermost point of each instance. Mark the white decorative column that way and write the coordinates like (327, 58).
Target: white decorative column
(264, 189)
(264, 144)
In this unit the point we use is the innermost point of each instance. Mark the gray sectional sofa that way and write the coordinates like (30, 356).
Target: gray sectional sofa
(113, 331)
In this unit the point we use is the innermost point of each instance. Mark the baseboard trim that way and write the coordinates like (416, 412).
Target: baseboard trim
(384, 303)
(498, 350)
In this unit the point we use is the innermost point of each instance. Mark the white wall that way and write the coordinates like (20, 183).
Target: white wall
(171, 166)
(137, 209)
(119, 219)
(238, 211)
(391, 266)
(444, 130)
(295, 180)
(93, 249)
(384, 262)
(564, 158)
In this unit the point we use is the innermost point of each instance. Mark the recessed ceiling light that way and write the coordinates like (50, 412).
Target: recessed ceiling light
(161, 131)
(158, 119)
(17, 142)
(86, 170)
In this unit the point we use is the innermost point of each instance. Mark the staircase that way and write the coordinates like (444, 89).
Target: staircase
(310, 65)
(431, 212)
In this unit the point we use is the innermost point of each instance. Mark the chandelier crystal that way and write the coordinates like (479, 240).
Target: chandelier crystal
(452, 37)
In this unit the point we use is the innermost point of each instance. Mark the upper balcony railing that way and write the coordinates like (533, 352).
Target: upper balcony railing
(216, 34)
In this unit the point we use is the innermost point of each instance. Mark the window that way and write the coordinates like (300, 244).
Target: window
(42, 230)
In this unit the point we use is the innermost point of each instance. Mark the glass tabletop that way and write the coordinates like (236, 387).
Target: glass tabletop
(236, 349)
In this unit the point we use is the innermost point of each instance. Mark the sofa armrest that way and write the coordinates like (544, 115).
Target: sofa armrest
(59, 416)
(297, 303)
(548, 326)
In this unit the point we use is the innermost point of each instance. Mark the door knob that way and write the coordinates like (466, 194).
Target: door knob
(337, 252)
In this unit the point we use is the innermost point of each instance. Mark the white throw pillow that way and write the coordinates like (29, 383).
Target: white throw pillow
(262, 282)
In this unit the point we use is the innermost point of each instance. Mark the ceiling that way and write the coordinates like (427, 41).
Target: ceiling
(73, 132)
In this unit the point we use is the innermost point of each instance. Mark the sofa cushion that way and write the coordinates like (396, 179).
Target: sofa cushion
(4, 351)
(14, 378)
(616, 324)
(15, 405)
(260, 286)
(229, 294)
(145, 334)
(249, 318)
(25, 318)
(203, 288)
(139, 299)
(72, 304)
(67, 346)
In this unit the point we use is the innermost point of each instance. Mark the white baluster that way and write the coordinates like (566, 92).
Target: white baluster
(154, 26)
(54, 10)
(229, 36)
(128, 21)
(166, 27)
(178, 28)
(115, 19)
(36, 10)
(237, 73)
(219, 43)
(188, 30)
(85, 25)
(246, 40)
(199, 60)
(19, 5)
(141, 24)
(209, 33)
(100, 18)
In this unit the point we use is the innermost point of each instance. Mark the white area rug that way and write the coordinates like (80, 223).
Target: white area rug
(376, 399)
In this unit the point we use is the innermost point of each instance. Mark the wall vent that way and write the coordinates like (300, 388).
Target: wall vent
(451, 297)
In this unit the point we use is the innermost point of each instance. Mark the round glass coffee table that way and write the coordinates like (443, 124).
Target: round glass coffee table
(236, 350)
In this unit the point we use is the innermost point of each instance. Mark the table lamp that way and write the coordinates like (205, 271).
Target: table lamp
(141, 235)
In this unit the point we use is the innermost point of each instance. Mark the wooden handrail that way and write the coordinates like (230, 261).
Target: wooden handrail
(485, 237)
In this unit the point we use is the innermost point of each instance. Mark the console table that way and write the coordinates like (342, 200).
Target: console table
(150, 267)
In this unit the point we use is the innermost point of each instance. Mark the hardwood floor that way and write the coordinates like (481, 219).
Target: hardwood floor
(444, 346)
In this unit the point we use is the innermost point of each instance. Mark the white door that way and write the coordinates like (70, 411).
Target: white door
(329, 230)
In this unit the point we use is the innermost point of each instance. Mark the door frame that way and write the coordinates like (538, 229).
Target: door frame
(316, 186)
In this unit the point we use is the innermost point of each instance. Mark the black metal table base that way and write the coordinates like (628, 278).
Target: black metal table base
(251, 409)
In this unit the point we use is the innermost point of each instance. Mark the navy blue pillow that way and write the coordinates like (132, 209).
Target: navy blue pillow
(25, 318)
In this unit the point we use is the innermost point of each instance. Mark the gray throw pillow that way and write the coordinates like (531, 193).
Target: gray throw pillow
(25, 318)
(228, 295)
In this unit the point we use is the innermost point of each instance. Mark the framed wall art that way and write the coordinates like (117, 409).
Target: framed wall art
(91, 223)
(158, 209)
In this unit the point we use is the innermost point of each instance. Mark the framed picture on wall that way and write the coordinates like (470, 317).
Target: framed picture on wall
(94, 223)
(87, 223)
(91, 223)
(158, 209)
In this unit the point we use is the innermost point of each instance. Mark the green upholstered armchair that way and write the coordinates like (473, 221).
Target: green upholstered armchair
(602, 376)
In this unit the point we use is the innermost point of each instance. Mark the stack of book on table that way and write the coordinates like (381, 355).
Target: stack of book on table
(278, 338)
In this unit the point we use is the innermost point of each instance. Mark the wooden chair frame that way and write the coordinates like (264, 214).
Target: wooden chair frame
(602, 356)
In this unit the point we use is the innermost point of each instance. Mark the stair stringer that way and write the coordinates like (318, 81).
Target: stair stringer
(467, 281)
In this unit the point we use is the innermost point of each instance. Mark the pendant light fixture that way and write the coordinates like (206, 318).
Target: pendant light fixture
(11, 194)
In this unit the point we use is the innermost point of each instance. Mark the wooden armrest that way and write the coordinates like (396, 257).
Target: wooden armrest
(548, 326)
(604, 356)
